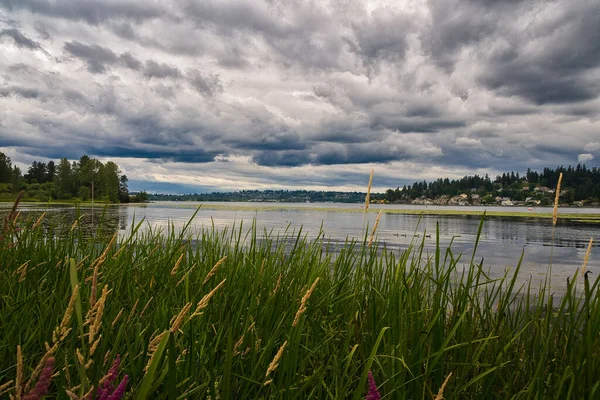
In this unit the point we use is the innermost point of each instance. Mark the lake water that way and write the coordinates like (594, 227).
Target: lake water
(501, 243)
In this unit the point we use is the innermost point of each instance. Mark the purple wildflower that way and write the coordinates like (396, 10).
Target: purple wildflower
(43, 383)
(373, 393)
(120, 390)
(109, 378)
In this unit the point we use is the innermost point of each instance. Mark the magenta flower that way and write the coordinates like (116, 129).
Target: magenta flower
(106, 387)
(43, 383)
(373, 393)
(120, 390)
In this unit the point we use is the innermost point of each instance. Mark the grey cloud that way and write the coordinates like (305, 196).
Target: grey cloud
(381, 37)
(98, 58)
(208, 85)
(153, 69)
(26, 93)
(20, 39)
(92, 12)
(553, 61)
(458, 84)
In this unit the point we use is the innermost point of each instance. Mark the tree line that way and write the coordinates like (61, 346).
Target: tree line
(580, 183)
(65, 180)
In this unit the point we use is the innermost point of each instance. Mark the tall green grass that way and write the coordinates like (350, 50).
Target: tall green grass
(409, 317)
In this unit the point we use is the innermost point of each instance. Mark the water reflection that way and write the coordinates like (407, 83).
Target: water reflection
(501, 244)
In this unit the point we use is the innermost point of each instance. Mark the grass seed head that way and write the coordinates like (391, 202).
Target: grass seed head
(440, 394)
(275, 362)
(587, 257)
(214, 270)
(375, 228)
(305, 298)
(177, 263)
(180, 317)
(368, 197)
(556, 200)
(19, 381)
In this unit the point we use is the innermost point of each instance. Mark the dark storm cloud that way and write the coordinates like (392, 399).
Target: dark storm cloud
(92, 12)
(288, 158)
(452, 84)
(20, 39)
(98, 58)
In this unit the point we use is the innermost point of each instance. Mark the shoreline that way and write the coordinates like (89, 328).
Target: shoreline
(467, 211)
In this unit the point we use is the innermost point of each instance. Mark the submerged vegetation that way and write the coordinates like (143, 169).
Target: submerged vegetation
(243, 314)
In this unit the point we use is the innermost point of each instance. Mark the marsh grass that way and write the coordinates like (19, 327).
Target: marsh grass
(238, 314)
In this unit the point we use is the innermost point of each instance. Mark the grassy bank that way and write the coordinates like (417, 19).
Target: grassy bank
(234, 315)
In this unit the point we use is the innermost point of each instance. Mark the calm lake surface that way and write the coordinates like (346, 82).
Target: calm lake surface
(501, 243)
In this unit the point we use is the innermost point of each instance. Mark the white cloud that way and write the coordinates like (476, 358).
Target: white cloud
(468, 142)
(592, 146)
(585, 157)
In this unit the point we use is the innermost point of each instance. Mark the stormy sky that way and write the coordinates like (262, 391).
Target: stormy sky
(194, 95)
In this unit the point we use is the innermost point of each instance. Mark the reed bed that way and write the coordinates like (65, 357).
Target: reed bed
(242, 314)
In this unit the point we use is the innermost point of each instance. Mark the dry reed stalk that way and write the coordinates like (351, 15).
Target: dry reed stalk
(132, 310)
(275, 362)
(39, 221)
(11, 218)
(179, 319)
(174, 270)
(213, 270)
(63, 329)
(305, 298)
(94, 316)
(95, 346)
(112, 240)
(19, 379)
(22, 270)
(117, 318)
(556, 199)
(80, 263)
(5, 386)
(204, 301)
(146, 306)
(239, 343)
(185, 275)
(74, 225)
(440, 394)
(66, 369)
(262, 267)
(118, 252)
(587, 257)
(276, 285)
(152, 349)
(94, 285)
(375, 228)
(368, 198)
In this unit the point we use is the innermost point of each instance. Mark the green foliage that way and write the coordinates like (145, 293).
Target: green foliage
(65, 181)
(580, 182)
(409, 318)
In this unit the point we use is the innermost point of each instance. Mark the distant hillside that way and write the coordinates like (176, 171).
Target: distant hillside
(580, 186)
(296, 196)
